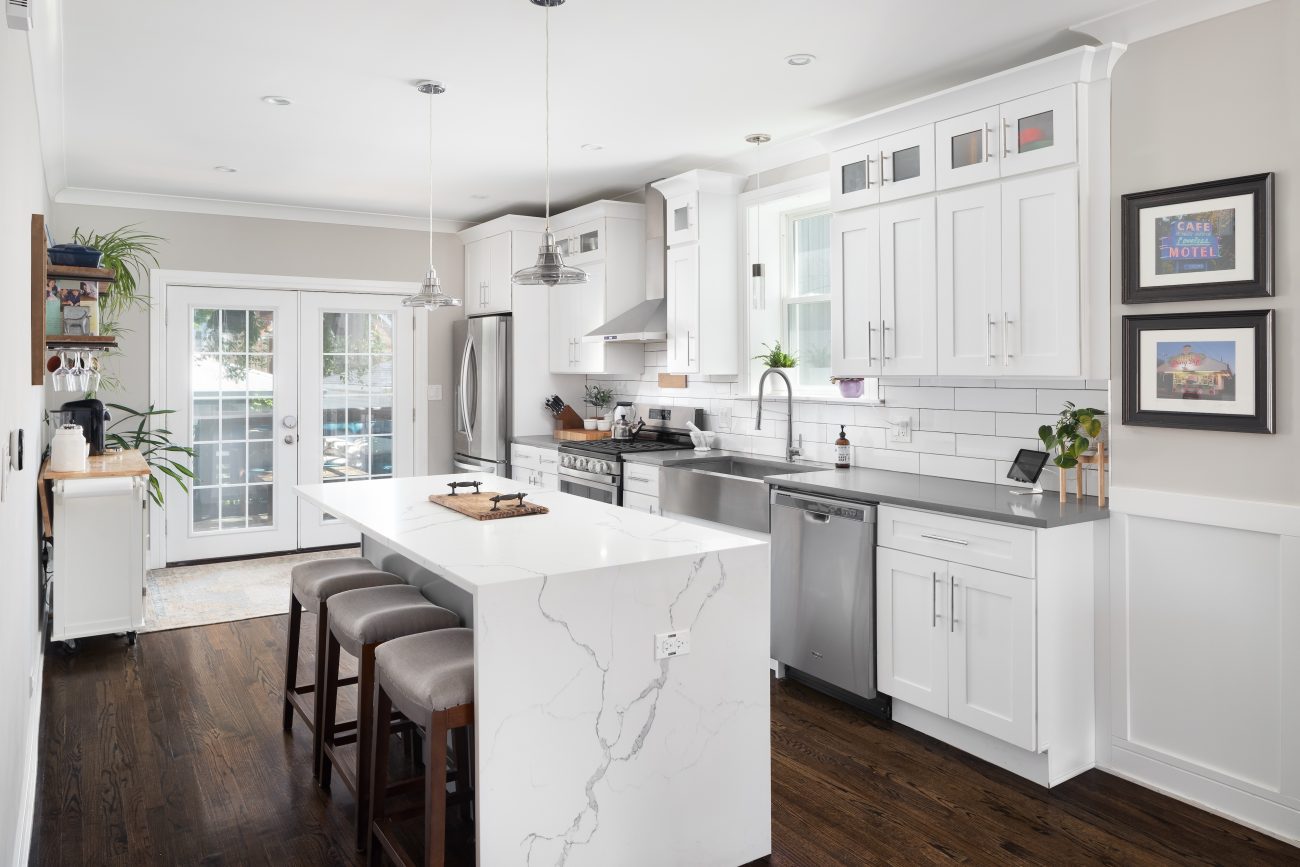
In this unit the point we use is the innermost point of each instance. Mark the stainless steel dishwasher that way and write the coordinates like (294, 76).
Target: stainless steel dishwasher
(824, 589)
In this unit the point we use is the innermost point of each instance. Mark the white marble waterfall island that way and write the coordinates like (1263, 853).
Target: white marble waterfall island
(589, 750)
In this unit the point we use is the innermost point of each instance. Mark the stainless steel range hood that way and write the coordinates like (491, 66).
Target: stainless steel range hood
(647, 321)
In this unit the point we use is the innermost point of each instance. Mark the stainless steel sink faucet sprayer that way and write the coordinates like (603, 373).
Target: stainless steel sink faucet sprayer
(791, 450)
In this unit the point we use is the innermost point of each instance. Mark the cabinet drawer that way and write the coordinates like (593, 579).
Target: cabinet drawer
(641, 502)
(548, 460)
(526, 456)
(641, 479)
(958, 540)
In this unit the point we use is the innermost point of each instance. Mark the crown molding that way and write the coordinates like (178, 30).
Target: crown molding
(258, 210)
(1155, 17)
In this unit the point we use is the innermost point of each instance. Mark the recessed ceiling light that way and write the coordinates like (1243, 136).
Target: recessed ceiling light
(801, 59)
(592, 146)
(758, 138)
(229, 170)
(277, 100)
(480, 196)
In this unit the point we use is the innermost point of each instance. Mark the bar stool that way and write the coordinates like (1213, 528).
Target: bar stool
(312, 586)
(430, 679)
(359, 622)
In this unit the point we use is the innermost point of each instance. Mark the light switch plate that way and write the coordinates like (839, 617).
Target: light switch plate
(669, 644)
(435, 392)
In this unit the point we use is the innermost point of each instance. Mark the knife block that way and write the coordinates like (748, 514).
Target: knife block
(568, 419)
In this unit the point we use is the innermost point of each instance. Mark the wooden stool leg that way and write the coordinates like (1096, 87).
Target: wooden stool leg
(435, 792)
(378, 776)
(291, 658)
(365, 727)
(318, 701)
(329, 710)
(460, 741)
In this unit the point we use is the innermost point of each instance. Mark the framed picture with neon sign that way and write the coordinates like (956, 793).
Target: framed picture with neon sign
(1202, 241)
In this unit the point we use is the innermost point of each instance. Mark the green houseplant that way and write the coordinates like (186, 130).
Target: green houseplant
(598, 398)
(776, 357)
(1071, 436)
(156, 446)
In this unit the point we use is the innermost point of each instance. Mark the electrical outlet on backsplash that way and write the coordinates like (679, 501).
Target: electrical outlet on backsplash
(961, 428)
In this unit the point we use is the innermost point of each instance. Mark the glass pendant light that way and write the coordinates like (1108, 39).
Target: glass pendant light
(550, 269)
(757, 276)
(430, 296)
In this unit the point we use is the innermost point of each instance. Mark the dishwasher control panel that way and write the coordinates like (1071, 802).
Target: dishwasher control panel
(819, 506)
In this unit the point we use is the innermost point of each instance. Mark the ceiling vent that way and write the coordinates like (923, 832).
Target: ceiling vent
(19, 14)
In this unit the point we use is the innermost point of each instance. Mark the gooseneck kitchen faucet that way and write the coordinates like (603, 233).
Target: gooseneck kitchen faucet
(791, 450)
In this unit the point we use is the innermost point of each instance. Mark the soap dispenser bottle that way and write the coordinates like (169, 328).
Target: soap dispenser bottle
(842, 451)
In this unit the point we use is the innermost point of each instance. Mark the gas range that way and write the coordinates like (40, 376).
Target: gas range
(594, 469)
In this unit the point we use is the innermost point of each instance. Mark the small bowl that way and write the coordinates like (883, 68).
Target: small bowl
(850, 388)
(589, 423)
(603, 424)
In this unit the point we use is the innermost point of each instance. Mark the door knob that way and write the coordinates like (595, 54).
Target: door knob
(290, 439)
(290, 421)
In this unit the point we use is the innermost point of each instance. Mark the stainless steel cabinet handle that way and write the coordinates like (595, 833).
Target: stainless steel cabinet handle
(1006, 339)
(952, 606)
(944, 539)
(988, 342)
(884, 180)
(989, 144)
(1006, 128)
(689, 357)
(869, 162)
(884, 341)
(934, 604)
(871, 354)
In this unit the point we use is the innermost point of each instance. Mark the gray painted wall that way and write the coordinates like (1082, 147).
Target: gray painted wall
(1215, 100)
(244, 245)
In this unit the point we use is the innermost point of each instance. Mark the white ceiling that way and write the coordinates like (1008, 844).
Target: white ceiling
(158, 92)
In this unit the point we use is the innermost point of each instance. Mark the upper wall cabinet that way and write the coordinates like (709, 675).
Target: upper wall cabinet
(1025, 135)
(487, 274)
(701, 277)
(883, 170)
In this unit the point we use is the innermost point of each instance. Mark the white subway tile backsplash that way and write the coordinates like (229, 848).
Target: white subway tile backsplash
(962, 427)
(995, 400)
(953, 421)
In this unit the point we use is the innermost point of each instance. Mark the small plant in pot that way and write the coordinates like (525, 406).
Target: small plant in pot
(1070, 437)
(776, 357)
(598, 398)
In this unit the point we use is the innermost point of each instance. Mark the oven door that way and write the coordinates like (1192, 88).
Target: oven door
(591, 490)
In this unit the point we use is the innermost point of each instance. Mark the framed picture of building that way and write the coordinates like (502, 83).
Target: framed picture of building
(1208, 371)
(1203, 241)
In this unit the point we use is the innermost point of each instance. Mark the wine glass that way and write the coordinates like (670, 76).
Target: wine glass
(62, 374)
(77, 379)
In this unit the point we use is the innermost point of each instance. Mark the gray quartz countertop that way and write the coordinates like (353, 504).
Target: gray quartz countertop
(951, 496)
(540, 441)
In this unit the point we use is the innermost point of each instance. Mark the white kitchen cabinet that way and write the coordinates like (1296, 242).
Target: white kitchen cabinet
(966, 149)
(701, 279)
(535, 466)
(969, 263)
(583, 243)
(576, 310)
(883, 290)
(1040, 316)
(855, 176)
(907, 163)
(641, 502)
(991, 649)
(911, 636)
(488, 287)
(1039, 131)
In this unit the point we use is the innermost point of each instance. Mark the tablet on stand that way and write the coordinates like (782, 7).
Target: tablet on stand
(1026, 469)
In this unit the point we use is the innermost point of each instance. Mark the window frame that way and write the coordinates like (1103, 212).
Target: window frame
(788, 298)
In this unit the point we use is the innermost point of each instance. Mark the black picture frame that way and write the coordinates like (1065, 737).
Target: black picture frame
(1261, 245)
(1261, 323)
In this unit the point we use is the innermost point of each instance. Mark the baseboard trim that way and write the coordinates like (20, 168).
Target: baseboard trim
(27, 816)
(1231, 803)
(1281, 519)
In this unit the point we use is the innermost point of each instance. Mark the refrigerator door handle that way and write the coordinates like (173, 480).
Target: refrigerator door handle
(472, 362)
(463, 407)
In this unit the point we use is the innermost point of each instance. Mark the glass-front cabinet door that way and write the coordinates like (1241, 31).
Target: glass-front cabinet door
(855, 177)
(907, 163)
(1038, 132)
(966, 149)
(586, 243)
(683, 218)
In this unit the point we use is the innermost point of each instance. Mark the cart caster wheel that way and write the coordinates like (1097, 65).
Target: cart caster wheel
(130, 639)
(70, 646)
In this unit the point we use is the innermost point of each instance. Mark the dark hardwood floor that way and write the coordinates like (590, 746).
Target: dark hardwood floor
(170, 753)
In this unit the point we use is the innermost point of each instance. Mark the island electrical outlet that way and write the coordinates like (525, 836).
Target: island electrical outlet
(669, 644)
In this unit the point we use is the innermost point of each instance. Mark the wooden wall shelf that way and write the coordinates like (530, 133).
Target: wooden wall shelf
(80, 341)
(67, 272)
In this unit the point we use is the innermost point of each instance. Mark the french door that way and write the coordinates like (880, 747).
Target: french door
(272, 388)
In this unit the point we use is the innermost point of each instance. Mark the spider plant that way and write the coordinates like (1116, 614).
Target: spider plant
(130, 253)
(156, 446)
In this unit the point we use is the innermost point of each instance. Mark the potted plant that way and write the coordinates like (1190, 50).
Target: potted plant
(1070, 437)
(156, 447)
(598, 398)
(776, 357)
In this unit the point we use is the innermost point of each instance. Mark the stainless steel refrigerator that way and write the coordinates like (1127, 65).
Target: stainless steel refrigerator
(481, 359)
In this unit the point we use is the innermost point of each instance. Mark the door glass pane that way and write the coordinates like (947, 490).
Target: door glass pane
(231, 408)
(589, 242)
(907, 164)
(968, 149)
(1035, 132)
(811, 255)
(681, 219)
(357, 396)
(853, 177)
(808, 334)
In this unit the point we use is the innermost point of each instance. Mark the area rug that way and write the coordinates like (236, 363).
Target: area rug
(222, 592)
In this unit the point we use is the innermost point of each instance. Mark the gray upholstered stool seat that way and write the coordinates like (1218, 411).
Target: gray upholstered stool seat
(321, 579)
(430, 672)
(377, 615)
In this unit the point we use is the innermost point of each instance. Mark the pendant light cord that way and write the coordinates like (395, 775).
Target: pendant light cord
(430, 181)
(547, 103)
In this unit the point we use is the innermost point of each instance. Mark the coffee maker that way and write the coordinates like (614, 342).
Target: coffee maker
(90, 416)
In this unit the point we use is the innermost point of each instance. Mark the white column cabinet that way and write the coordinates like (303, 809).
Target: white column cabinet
(682, 286)
(855, 292)
(911, 630)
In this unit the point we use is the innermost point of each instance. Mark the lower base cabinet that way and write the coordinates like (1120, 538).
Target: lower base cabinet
(534, 466)
(641, 502)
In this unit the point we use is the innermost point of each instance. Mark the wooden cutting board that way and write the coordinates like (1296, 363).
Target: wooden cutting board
(479, 506)
(582, 434)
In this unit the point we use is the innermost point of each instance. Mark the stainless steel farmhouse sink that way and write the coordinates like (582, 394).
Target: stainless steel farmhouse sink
(725, 489)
